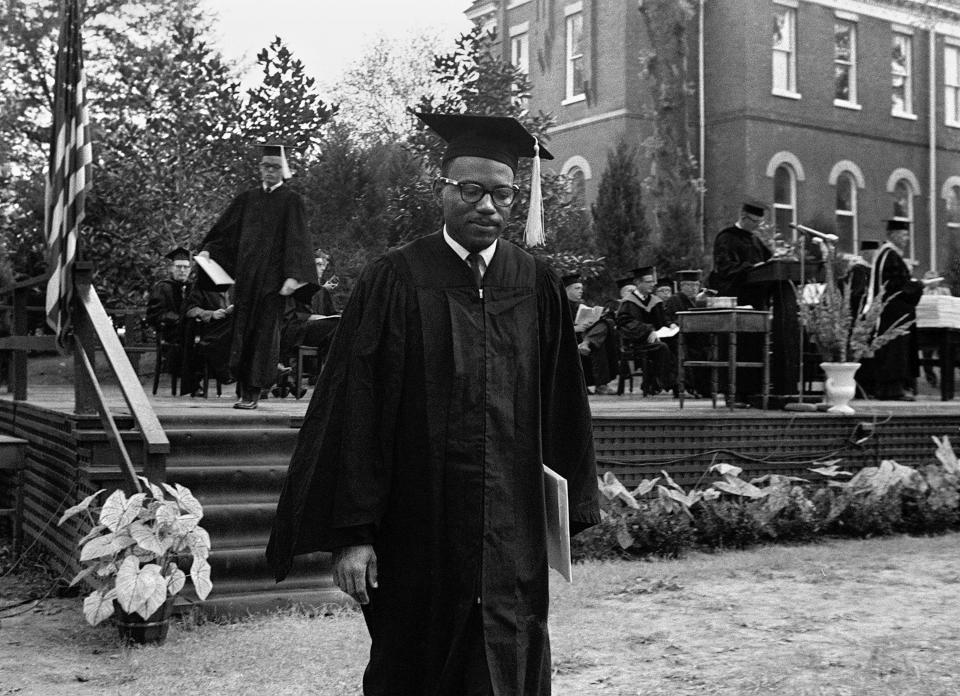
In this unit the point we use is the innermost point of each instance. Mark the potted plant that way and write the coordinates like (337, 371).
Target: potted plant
(843, 334)
(132, 552)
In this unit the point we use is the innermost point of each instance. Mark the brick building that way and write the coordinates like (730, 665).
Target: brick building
(826, 109)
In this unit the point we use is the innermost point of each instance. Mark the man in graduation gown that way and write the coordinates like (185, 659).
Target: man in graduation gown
(596, 341)
(453, 376)
(262, 241)
(165, 305)
(736, 250)
(639, 316)
(207, 334)
(895, 366)
(696, 346)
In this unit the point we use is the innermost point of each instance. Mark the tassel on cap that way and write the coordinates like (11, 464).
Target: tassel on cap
(284, 167)
(533, 233)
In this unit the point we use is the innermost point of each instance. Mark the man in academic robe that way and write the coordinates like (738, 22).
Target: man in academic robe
(696, 346)
(262, 241)
(639, 316)
(596, 340)
(207, 334)
(895, 365)
(736, 250)
(453, 377)
(165, 305)
(858, 276)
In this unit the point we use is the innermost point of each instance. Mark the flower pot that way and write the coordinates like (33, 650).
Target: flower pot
(839, 387)
(135, 629)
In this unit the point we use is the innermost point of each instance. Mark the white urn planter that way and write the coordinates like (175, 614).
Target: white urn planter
(839, 387)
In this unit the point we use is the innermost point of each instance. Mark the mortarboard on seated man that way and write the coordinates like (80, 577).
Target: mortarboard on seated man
(452, 378)
(262, 241)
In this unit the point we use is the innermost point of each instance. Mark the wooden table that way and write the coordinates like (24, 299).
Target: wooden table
(945, 340)
(730, 322)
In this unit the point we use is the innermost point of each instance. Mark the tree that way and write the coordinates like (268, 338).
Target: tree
(618, 215)
(674, 185)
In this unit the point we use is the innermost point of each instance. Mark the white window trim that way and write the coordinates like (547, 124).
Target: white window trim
(786, 157)
(901, 29)
(787, 3)
(903, 173)
(779, 91)
(846, 16)
(518, 29)
(853, 213)
(909, 115)
(579, 162)
(905, 116)
(786, 94)
(848, 167)
(571, 98)
(516, 3)
(948, 185)
(855, 58)
(573, 8)
(947, 120)
(574, 99)
(794, 179)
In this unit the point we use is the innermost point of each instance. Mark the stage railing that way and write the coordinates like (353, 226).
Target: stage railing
(93, 330)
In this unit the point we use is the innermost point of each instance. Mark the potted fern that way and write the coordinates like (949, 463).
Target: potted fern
(843, 334)
(131, 556)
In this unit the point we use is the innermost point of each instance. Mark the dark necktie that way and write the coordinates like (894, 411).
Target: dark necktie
(474, 261)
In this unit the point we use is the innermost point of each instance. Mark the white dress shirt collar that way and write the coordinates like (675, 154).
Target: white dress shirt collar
(486, 255)
(269, 189)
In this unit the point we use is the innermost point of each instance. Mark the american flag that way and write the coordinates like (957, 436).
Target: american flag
(69, 171)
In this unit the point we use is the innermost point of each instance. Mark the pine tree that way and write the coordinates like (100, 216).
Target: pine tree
(618, 214)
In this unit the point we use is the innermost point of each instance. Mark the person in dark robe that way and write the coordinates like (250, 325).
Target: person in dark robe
(858, 280)
(663, 289)
(453, 377)
(307, 322)
(164, 307)
(207, 334)
(262, 241)
(736, 250)
(895, 366)
(639, 316)
(596, 339)
(696, 346)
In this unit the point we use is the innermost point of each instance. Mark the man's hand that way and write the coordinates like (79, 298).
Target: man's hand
(219, 314)
(584, 348)
(289, 285)
(353, 567)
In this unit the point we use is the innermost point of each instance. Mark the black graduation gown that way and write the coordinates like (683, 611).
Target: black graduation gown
(599, 367)
(895, 366)
(299, 329)
(636, 318)
(735, 251)
(205, 341)
(260, 240)
(163, 314)
(425, 436)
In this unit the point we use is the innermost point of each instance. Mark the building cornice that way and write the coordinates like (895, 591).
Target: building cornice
(943, 16)
(481, 9)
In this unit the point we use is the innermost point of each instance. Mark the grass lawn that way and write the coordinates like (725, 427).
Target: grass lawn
(837, 618)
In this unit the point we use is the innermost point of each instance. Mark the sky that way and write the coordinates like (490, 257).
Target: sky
(327, 35)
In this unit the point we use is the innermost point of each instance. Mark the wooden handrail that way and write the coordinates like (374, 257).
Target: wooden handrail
(106, 418)
(27, 283)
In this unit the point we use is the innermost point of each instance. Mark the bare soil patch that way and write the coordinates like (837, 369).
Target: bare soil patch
(857, 618)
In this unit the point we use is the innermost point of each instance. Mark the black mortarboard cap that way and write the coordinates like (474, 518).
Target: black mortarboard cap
(754, 209)
(869, 245)
(644, 271)
(688, 275)
(570, 279)
(665, 283)
(893, 225)
(622, 282)
(177, 254)
(500, 138)
(277, 150)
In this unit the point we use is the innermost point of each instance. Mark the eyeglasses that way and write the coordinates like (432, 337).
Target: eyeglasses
(472, 193)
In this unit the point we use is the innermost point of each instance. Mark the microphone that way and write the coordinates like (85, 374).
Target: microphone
(816, 233)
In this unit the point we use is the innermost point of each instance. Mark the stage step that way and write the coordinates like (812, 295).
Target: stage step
(236, 468)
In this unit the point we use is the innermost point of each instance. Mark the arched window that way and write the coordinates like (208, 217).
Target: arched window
(903, 194)
(784, 200)
(845, 212)
(577, 186)
(953, 208)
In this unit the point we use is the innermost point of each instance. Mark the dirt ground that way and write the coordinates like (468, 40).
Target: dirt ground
(839, 618)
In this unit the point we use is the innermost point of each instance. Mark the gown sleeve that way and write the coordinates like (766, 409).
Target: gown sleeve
(566, 426)
(340, 474)
(222, 239)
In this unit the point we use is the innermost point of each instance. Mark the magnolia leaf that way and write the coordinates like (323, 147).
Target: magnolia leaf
(146, 538)
(79, 507)
(199, 542)
(645, 487)
(96, 531)
(175, 580)
(724, 469)
(99, 547)
(946, 455)
(135, 585)
(200, 575)
(85, 573)
(98, 606)
(118, 511)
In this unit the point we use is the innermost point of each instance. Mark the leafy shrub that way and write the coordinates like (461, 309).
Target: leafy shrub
(655, 530)
(725, 523)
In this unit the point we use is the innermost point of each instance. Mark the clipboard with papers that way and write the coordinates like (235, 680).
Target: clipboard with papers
(557, 505)
(220, 279)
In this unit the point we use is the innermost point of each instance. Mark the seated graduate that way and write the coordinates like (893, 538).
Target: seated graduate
(638, 317)
(596, 338)
(165, 303)
(689, 295)
(307, 321)
(207, 333)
